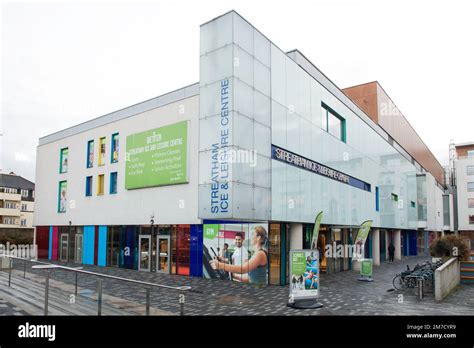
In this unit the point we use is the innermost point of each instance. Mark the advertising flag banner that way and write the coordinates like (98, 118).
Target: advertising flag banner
(362, 235)
(317, 223)
(304, 274)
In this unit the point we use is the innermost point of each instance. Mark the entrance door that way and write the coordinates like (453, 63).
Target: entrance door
(163, 260)
(78, 249)
(63, 246)
(144, 262)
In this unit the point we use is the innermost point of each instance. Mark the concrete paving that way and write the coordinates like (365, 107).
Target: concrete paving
(341, 294)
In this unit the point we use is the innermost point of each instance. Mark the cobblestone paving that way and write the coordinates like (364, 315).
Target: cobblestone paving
(9, 309)
(341, 294)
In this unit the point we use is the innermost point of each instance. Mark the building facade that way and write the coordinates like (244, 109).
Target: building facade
(16, 204)
(203, 179)
(464, 183)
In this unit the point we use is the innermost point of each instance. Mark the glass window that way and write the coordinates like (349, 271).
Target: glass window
(100, 184)
(115, 148)
(101, 151)
(90, 153)
(394, 197)
(470, 153)
(113, 182)
(470, 202)
(62, 197)
(471, 219)
(470, 170)
(470, 187)
(274, 253)
(64, 160)
(324, 118)
(412, 204)
(89, 186)
(377, 199)
(333, 123)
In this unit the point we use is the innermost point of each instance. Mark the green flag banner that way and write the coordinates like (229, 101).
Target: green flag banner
(317, 223)
(362, 234)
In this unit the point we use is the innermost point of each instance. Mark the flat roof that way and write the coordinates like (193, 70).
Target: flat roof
(150, 104)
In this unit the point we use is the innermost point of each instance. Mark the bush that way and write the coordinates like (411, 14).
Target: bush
(450, 246)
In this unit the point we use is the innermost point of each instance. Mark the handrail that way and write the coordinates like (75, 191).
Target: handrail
(178, 288)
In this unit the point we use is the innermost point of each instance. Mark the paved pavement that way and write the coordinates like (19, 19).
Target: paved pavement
(341, 294)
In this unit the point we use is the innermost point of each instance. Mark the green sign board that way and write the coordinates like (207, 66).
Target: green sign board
(298, 262)
(366, 268)
(157, 157)
(211, 231)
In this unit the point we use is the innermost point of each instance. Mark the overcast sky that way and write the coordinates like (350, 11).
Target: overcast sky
(67, 62)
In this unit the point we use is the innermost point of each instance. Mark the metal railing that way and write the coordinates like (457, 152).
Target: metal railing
(79, 270)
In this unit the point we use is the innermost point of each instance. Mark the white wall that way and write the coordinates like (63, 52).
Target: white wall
(127, 206)
(447, 277)
(462, 195)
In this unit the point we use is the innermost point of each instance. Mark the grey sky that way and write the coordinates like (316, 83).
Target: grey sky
(67, 62)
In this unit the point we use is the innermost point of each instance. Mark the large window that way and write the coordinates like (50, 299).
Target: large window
(470, 202)
(115, 148)
(470, 186)
(89, 186)
(470, 153)
(471, 219)
(113, 182)
(470, 170)
(62, 197)
(101, 151)
(63, 160)
(90, 153)
(333, 123)
(100, 184)
(24, 193)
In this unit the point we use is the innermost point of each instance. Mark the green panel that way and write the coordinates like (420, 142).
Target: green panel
(157, 157)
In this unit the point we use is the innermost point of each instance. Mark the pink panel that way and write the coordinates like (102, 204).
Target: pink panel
(54, 254)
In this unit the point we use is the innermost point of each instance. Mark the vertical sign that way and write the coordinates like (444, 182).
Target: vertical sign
(304, 274)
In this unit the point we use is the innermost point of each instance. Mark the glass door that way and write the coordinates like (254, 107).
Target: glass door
(78, 250)
(274, 251)
(63, 247)
(144, 243)
(163, 260)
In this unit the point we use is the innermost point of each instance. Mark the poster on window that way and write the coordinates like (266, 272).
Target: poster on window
(62, 197)
(237, 252)
(304, 274)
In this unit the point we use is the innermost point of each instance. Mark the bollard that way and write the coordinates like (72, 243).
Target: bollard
(46, 293)
(75, 290)
(99, 297)
(420, 288)
(24, 269)
(10, 273)
(147, 301)
(181, 302)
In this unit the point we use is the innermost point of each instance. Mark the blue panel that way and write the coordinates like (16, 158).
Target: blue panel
(102, 248)
(377, 195)
(412, 242)
(130, 256)
(50, 249)
(88, 249)
(195, 265)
